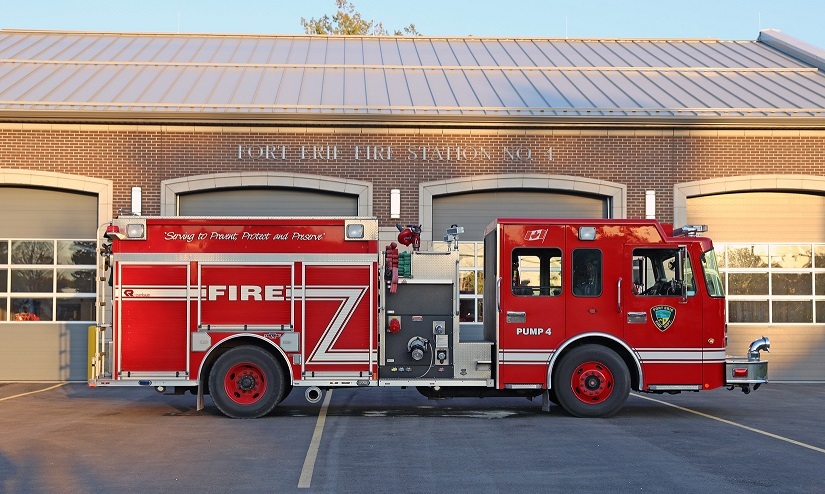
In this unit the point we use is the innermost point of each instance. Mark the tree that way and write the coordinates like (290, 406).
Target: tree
(349, 22)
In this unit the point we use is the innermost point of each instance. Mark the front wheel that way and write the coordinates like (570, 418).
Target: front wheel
(246, 382)
(592, 381)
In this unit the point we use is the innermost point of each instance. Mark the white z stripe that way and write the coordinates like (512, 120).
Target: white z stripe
(350, 299)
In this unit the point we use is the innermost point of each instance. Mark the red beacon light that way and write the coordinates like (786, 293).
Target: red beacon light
(113, 231)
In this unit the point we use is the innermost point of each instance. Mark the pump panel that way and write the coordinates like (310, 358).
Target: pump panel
(419, 344)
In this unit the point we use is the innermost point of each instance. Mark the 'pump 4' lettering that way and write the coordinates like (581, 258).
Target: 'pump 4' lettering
(534, 331)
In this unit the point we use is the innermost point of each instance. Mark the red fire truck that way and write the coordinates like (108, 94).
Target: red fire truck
(578, 312)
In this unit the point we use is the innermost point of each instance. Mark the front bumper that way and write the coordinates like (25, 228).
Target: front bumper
(744, 371)
(740, 370)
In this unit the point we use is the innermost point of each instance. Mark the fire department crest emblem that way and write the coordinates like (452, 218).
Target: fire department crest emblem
(663, 316)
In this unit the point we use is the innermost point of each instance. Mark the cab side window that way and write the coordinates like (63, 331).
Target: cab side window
(587, 272)
(536, 272)
(656, 273)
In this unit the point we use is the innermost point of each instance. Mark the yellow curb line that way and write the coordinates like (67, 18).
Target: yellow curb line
(32, 392)
(735, 424)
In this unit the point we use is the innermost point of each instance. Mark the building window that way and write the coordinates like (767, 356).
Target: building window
(47, 280)
(470, 278)
(774, 283)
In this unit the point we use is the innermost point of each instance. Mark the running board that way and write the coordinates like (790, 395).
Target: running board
(675, 387)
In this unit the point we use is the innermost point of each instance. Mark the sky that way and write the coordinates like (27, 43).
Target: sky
(720, 19)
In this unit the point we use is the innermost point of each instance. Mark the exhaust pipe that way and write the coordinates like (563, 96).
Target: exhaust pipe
(313, 394)
(757, 346)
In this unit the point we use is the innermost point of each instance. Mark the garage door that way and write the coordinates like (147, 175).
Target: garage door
(47, 282)
(267, 202)
(475, 211)
(771, 247)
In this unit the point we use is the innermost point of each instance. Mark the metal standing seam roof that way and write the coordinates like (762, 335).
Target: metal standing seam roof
(77, 75)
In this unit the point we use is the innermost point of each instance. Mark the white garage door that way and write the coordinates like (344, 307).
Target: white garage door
(771, 248)
(47, 282)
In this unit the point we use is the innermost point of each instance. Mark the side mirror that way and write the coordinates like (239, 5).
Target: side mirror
(679, 268)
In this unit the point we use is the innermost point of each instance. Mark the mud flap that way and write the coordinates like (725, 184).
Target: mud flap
(545, 401)
(200, 405)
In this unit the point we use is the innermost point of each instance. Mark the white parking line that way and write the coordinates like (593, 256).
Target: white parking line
(735, 424)
(32, 392)
(312, 453)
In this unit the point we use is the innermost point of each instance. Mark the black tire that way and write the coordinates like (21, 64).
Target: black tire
(246, 382)
(592, 381)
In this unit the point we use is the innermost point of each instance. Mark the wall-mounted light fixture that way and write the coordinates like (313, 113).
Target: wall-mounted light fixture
(395, 203)
(137, 199)
(650, 204)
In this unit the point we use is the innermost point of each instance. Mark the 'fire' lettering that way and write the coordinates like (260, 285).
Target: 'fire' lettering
(243, 293)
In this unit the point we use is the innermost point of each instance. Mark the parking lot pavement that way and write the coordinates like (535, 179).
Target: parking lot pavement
(73, 438)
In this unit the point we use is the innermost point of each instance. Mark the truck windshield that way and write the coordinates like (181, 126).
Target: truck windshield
(712, 277)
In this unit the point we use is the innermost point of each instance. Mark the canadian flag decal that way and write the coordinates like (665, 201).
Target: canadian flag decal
(535, 235)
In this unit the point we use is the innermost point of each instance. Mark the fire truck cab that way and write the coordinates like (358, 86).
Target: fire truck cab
(578, 312)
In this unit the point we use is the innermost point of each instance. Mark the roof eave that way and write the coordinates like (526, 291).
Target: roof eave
(453, 121)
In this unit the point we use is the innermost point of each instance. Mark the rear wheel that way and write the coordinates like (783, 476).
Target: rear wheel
(246, 382)
(592, 381)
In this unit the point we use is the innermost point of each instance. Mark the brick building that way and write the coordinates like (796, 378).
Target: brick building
(726, 133)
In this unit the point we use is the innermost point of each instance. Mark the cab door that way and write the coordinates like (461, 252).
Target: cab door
(531, 298)
(663, 316)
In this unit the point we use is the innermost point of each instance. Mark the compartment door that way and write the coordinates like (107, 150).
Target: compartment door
(339, 320)
(152, 309)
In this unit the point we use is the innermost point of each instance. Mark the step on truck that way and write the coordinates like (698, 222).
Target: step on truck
(576, 312)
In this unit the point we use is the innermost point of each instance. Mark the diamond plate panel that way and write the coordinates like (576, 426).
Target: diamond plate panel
(473, 360)
(435, 265)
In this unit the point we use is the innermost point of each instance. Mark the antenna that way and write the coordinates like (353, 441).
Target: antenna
(565, 27)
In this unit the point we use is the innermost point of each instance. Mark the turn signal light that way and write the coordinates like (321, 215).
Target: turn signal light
(740, 372)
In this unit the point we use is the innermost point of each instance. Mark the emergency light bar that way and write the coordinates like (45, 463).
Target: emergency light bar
(690, 230)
